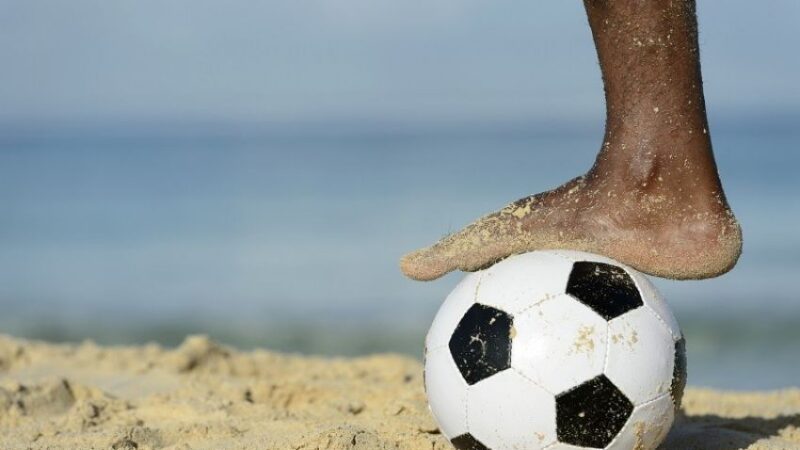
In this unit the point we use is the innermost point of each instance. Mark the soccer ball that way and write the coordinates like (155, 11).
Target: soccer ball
(556, 350)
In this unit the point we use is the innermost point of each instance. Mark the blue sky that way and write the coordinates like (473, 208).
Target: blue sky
(288, 60)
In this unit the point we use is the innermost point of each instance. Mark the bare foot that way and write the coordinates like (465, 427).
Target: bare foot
(653, 199)
(656, 223)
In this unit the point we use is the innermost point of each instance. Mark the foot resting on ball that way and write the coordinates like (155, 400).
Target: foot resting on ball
(653, 199)
(655, 222)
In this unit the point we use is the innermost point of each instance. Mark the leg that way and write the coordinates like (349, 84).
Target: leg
(653, 199)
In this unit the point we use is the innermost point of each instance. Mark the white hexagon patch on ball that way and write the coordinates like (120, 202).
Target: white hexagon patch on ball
(554, 350)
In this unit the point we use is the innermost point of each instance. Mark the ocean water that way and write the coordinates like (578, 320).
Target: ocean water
(288, 236)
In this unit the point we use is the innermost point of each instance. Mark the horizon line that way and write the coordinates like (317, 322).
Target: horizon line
(352, 126)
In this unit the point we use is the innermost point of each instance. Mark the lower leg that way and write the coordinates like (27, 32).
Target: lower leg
(655, 110)
(653, 199)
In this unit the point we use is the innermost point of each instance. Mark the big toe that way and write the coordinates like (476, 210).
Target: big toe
(478, 245)
(426, 264)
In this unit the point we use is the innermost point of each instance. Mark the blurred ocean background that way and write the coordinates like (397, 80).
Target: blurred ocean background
(254, 170)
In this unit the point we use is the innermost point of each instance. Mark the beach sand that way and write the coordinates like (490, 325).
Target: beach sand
(206, 396)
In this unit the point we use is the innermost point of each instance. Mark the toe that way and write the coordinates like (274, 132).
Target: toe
(474, 247)
(426, 264)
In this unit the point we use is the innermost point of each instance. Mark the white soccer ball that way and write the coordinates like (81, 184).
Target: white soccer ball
(555, 350)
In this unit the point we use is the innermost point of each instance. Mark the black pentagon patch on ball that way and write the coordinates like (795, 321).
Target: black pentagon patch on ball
(481, 343)
(607, 289)
(678, 374)
(467, 442)
(591, 414)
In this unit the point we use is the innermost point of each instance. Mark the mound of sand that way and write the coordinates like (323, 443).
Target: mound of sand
(206, 396)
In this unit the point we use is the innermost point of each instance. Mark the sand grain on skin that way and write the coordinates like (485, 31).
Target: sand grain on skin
(206, 396)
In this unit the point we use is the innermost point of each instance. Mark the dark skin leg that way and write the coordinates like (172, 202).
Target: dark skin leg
(653, 198)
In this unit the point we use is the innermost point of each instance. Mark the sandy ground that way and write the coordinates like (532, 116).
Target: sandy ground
(205, 396)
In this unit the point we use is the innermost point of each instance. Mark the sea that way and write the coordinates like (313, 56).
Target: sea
(287, 235)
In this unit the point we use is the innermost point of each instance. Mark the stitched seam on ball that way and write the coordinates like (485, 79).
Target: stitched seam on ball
(655, 399)
(663, 322)
(531, 380)
(547, 298)
(608, 347)
(556, 253)
(647, 305)
(477, 287)
(466, 410)
(620, 434)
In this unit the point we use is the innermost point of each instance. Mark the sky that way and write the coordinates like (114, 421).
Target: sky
(322, 60)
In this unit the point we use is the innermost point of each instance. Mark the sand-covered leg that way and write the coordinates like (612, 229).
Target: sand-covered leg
(653, 198)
